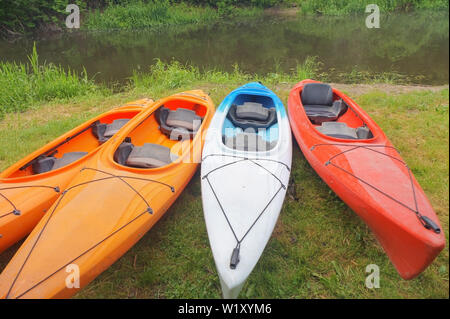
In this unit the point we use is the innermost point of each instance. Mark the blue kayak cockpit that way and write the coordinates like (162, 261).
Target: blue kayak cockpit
(251, 123)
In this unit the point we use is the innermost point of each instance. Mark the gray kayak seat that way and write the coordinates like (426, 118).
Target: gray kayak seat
(184, 118)
(179, 124)
(68, 158)
(342, 130)
(252, 115)
(248, 142)
(252, 111)
(115, 126)
(146, 156)
(103, 131)
(317, 100)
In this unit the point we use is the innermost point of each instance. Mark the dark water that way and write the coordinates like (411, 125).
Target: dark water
(414, 45)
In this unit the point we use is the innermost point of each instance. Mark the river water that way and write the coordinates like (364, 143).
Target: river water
(414, 45)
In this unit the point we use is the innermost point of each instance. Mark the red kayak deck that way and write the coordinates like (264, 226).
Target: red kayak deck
(370, 176)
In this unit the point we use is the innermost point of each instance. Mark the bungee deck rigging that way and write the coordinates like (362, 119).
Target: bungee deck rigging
(15, 210)
(235, 254)
(109, 177)
(424, 220)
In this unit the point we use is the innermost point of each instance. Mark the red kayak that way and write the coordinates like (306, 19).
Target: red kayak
(354, 157)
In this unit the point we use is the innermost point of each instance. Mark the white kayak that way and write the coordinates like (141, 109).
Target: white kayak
(245, 171)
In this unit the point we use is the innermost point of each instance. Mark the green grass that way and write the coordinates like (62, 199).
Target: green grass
(26, 85)
(319, 248)
(139, 14)
(337, 7)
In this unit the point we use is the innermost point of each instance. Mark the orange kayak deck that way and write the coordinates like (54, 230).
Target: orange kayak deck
(370, 176)
(106, 209)
(26, 196)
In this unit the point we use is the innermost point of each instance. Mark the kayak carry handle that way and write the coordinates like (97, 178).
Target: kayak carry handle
(428, 223)
(234, 258)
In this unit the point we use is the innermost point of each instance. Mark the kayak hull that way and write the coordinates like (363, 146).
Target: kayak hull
(32, 195)
(243, 192)
(373, 180)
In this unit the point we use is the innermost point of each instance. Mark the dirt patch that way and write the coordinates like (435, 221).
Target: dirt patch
(359, 89)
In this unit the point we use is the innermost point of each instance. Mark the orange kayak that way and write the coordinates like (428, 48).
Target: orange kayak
(29, 187)
(120, 193)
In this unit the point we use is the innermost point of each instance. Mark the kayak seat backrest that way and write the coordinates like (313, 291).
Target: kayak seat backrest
(342, 130)
(252, 111)
(114, 127)
(317, 100)
(68, 158)
(147, 156)
(248, 142)
(363, 132)
(122, 153)
(252, 115)
(179, 124)
(103, 131)
(43, 164)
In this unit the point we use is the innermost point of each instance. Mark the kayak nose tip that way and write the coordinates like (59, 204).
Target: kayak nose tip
(257, 85)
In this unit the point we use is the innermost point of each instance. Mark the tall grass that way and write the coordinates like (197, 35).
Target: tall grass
(162, 76)
(140, 14)
(337, 7)
(24, 85)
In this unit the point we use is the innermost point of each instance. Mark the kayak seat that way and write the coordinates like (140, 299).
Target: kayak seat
(252, 111)
(50, 163)
(179, 124)
(68, 158)
(342, 130)
(317, 100)
(248, 142)
(252, 115)
(103, 131)
(146, 156)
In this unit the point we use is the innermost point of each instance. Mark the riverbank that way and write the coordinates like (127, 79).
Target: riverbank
(29, 85)
(325, 7)
(140, 15)
(319, 248)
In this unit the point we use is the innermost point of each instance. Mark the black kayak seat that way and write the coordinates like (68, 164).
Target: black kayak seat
(342, 130)
(178, 124)
(146, 156)
(317, 100)
(252, 115)
(43, 164)
(50, 163)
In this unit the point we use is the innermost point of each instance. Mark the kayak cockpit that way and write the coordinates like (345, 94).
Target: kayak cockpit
(331, 115)
(251, 124)
(162, 137)
(71, 148)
